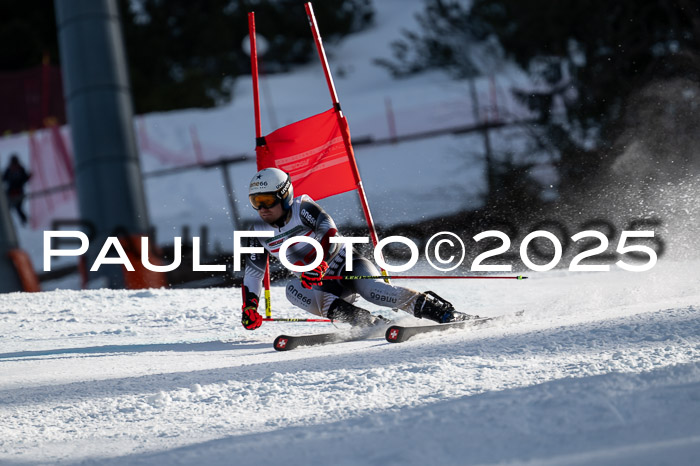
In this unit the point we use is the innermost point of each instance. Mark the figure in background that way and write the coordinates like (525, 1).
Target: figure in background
(15, 177)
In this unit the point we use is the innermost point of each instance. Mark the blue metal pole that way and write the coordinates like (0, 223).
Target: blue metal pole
(99, 107)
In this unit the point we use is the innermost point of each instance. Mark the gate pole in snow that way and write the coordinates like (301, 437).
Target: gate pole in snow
(258, 139)
(342, 122)
(98, 100)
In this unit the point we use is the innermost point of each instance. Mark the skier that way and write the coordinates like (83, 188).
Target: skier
(15, 176)
(271, 193)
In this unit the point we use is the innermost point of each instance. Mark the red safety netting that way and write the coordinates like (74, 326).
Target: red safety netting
(29, 97)
(193, 151)
(52, 171)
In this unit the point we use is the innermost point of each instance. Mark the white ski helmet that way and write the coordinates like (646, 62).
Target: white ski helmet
(270, 186)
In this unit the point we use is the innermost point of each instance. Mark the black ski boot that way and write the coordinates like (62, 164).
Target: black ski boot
(431, 306)
(343, 311)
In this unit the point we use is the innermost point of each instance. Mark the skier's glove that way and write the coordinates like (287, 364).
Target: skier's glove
(251, 319)
(314, 277)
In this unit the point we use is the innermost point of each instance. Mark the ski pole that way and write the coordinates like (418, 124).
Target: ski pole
(416, 277)
(281, 319)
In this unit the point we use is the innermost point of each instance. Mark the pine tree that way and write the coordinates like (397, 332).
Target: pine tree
(591, 57)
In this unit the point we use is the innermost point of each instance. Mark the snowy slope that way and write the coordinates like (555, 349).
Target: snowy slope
(604, 368)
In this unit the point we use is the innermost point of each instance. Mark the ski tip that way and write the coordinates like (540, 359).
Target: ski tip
(520, 277)
(282, 343)
(393, 334)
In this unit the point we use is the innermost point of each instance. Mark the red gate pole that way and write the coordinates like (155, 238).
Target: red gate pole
(258, 138)
(254, 72)
(342, 121)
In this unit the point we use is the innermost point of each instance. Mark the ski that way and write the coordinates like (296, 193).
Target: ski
(290, 342)
(393, 334)
(401, 333)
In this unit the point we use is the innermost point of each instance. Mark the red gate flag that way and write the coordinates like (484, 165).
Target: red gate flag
(312, 151)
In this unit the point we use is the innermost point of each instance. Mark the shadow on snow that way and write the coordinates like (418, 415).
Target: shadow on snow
(609, 419)
(149, 348)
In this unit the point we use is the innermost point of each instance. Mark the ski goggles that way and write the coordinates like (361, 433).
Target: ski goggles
(263, 201)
